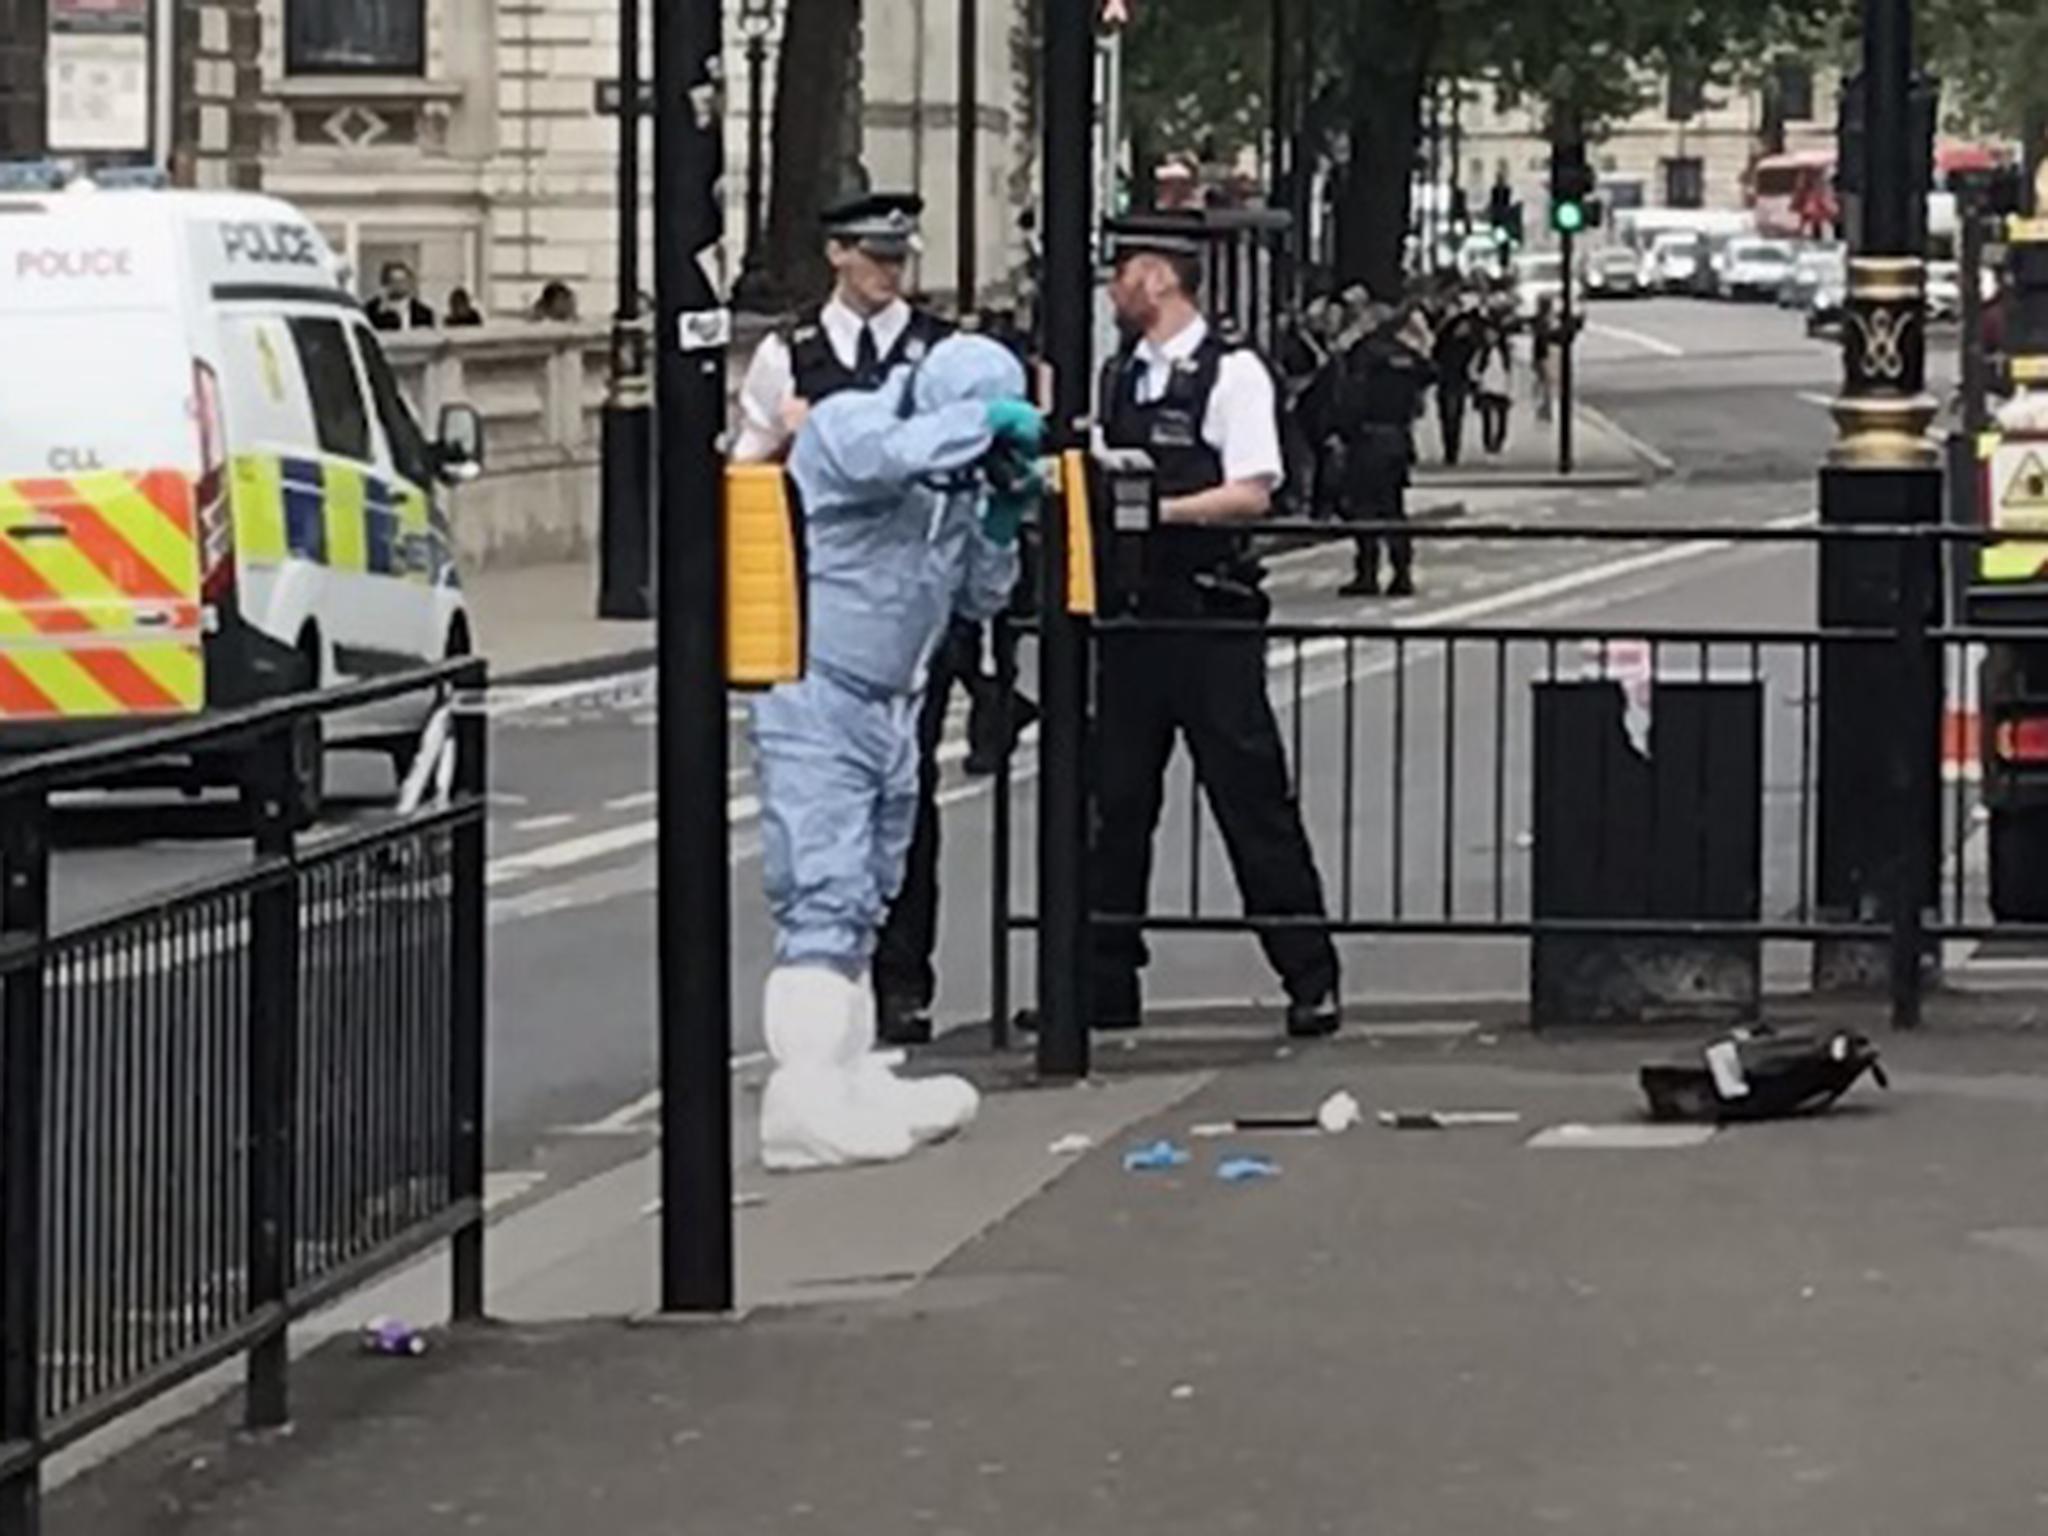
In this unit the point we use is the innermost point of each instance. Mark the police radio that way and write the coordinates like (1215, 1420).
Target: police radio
(1126, 489)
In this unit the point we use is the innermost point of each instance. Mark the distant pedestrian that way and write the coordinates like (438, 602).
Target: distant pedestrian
(1493, 386)
(1300, 359)
(1543, 339)
(462, 308)
(398, 306)
(1459, 341)
(556, 304)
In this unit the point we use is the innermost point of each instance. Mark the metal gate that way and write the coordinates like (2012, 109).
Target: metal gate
(1574, 791)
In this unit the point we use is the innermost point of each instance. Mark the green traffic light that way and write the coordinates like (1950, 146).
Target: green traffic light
(1568, 218)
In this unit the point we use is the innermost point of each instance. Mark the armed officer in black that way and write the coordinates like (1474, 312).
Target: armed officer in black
(1204, 410)
(853, 341)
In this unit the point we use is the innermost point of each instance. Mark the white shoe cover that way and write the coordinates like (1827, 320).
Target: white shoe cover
(931, 1108)
(814, 1113)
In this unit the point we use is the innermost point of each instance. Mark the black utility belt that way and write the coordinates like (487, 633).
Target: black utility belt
(1222, 594)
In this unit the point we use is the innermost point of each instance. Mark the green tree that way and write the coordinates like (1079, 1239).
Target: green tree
(1992, 57)
(1582, 61)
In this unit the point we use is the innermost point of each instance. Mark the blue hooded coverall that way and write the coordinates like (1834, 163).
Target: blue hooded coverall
(893, 511)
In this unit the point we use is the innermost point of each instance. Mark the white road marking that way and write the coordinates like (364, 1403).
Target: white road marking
(639, 802)
(1280, 655)
(501, 1189)
(632, 1118)
(1656, 344)
(544, 823)
(1812, 397)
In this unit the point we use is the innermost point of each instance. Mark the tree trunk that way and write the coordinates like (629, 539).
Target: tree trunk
(811, 145)
(1389, 54)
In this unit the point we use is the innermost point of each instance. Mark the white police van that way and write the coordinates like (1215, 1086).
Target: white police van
(212, 489)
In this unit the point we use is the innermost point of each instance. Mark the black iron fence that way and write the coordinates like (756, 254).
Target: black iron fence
(1660, 814)
(224, 1106)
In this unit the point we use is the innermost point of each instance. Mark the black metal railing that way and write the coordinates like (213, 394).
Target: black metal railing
(223, 1106)
(1429, 760)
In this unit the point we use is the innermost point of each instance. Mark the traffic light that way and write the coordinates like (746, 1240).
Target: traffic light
(1571, 184)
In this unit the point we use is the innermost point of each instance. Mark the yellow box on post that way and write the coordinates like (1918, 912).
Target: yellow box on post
(1073, 487)
(764, 577)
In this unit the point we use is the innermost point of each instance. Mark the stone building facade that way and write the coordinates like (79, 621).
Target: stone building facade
(172, 83)
(465, 136)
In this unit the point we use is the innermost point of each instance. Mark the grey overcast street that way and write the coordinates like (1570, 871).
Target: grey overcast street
(1023, 767)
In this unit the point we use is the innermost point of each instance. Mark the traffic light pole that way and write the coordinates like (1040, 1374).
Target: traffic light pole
(627, 421)
(693, 914)
(1566, 343)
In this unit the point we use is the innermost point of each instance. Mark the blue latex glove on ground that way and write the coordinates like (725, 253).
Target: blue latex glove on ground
(1017, 424)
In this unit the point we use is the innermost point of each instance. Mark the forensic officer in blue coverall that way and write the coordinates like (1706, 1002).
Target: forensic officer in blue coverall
(902, 532)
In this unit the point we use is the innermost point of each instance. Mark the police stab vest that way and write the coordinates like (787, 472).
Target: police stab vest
(1169, 429)
(819, 374)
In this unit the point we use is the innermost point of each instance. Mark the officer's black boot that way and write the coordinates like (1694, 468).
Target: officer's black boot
(902, 1020)
(1315, 1018)
(985, 744)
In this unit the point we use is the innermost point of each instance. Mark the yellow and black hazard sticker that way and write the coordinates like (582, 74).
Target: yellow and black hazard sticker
(84, 562)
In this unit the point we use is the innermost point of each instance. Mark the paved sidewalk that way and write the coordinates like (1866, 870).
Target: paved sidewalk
(537, 620)
(1831, 1327)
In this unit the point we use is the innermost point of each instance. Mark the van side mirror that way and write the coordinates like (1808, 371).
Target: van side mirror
(459, 444)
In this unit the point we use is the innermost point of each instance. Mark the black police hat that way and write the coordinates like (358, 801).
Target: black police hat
(881, 223)
(1160, 232)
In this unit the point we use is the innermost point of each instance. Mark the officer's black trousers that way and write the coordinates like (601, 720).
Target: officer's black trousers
(903, 954)
(1211, 690)
(1450, 419)
(1378, 493)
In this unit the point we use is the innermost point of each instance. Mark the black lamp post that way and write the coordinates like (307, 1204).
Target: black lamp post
(1874, 843)
(757, 18)
(625, 549)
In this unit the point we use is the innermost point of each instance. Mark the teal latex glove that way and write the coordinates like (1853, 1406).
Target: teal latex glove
(1017, 424)
(1003, 517)
(1004, 512)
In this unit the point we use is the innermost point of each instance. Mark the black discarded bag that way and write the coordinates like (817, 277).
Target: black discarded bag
(1762, 1075)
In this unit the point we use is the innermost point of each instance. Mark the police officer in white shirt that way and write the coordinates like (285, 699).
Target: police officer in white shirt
(853, 339)
(1203, 407)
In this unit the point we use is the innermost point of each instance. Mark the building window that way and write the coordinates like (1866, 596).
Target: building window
(1792, 83)
(1684, 95)
(355, 37)
(1685, 182)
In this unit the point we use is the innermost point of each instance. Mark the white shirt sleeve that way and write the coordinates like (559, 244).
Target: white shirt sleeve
(766, 388)
(1242, 422)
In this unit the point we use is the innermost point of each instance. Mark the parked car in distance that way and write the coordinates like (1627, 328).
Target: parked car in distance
(1673, 265)
(1810, 267)
(1944, 290)
(1614, 273)
(1539, 275)
(1754, 269)
(1830, 297)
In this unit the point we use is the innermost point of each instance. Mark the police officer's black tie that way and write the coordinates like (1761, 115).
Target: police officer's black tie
(867, 357)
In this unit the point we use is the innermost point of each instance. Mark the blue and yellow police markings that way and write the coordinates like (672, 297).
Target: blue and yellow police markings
(337, 514)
